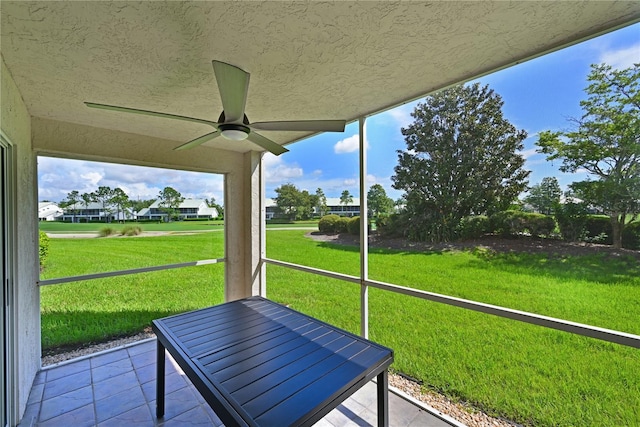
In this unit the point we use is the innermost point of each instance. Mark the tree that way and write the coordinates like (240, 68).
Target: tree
(170, 200)
(212, 204)
(288, 199)
(461, 159)
(545, 196)
(86, 199)
(346, 198)
(321, 202)
(120, 200)
(605, 142)
(378, 201)
(104, 196)
(73, 198)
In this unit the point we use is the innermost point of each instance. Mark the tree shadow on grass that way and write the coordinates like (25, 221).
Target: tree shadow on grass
(601, 268)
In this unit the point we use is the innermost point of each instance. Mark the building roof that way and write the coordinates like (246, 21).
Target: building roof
(307, 60)
(186, 203)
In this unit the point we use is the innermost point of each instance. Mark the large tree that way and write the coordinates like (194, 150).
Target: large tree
(321, 202)
(461, 159)
(170, 200)
(378, 201)
(104, 196)
(345, 199)
(72, 199)
(545, 196)
(605, 142)
(288, 200)
(120, 200)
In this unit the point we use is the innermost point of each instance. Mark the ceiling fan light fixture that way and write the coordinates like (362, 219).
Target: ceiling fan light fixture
(234, 132)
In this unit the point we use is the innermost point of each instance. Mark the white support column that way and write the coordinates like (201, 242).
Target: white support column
(263, 237)
(243, 241)
(364, 234)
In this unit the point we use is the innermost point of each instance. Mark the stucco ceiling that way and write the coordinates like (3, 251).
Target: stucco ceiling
(319, 60)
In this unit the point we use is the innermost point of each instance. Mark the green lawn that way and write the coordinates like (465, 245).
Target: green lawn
(94, 227)
(525, 373)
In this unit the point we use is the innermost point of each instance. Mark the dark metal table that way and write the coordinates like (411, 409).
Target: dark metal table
(258, 363)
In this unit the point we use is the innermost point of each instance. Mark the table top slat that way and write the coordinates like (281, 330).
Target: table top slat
(284, 364)
(260, 357)
(217, 353)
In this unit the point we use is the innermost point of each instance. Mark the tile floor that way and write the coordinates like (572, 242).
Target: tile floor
(117, 388)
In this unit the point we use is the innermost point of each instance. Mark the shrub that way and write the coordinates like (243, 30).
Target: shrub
(598, 229)
(507, 223)
(106, 231)
(196, 219)
(390, 225)
(327, 223)
(353, 226)
(342, 225)
(43, 243)
(631, 236)
(472, 227)
(539, 225)
(571, 218)
(130, 230)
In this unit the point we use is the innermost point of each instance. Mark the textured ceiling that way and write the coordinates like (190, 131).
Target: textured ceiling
(313, 60)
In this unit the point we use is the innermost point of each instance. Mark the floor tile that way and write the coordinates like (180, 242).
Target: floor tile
(109, 357)
(81, 417)
(67, 369)
(143, 359)
(138, 417)
(114, 385)
(193, 417)
(144, 347)
(146, 373)
(119, 403)
(65, 403)
(66, 384)
(113, 369)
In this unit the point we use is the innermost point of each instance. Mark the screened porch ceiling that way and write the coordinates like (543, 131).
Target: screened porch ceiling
(319, 60)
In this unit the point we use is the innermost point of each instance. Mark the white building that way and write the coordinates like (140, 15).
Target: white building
(189, 208)
(333, 207)
(49, 211)
(95, 211)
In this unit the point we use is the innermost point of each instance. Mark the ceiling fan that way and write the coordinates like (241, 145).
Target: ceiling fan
(233, 124)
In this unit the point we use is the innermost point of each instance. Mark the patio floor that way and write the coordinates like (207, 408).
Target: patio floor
(117, 388)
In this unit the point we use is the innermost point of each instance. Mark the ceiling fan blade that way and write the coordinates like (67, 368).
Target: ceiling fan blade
(266, 143)
(200, 140)
(233, 84)
(148, 113)
(303, 125)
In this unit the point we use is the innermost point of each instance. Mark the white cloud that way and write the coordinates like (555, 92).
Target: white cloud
(622, 58)
(349, 145)
(278, 171)
(402, 115)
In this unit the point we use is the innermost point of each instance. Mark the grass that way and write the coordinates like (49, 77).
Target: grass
(525, 373)
(95, 227)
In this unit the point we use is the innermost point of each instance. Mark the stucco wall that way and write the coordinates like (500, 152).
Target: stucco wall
(15, 123)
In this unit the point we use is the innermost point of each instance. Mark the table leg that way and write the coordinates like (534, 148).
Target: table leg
(160, 358)
(383, 399)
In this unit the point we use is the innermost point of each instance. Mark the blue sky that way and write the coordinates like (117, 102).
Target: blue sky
(538, 95)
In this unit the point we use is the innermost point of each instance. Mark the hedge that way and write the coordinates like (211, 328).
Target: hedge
(43, 243)
(327, 223)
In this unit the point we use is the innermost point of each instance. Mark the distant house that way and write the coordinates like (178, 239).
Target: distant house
(333, 207)
(49, 211)
(189, 208)
(94, 211)
(350, 209)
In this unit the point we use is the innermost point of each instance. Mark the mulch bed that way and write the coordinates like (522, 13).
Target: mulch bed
(497, 244)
